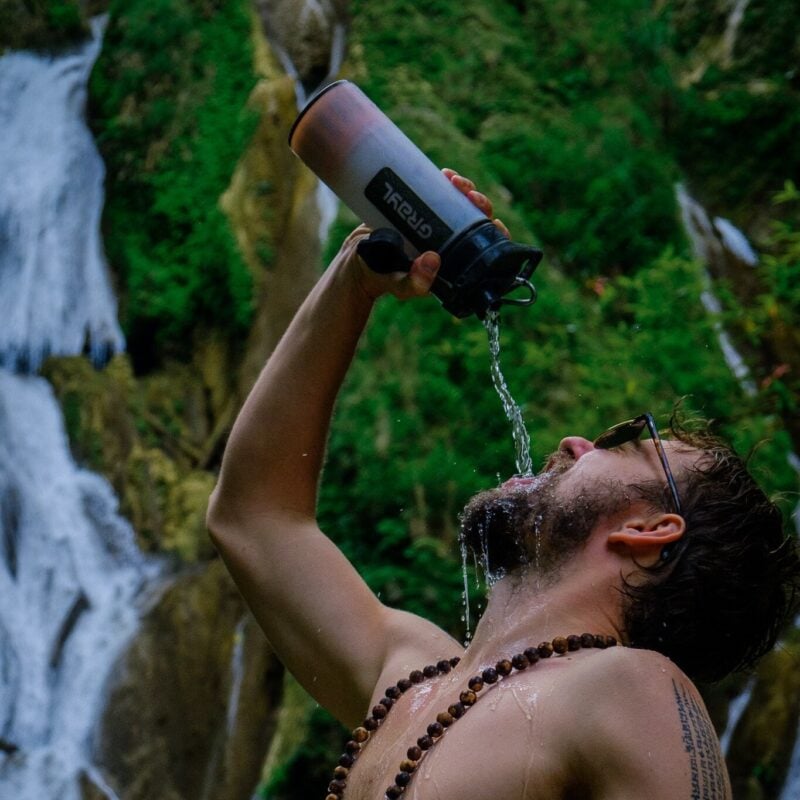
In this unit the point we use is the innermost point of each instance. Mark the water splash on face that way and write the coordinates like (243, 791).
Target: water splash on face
(522, 441)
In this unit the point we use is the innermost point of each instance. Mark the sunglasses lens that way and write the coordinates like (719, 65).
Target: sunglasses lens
(619, 434)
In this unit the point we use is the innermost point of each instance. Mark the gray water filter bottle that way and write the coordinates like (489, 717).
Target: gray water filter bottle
(385, 179)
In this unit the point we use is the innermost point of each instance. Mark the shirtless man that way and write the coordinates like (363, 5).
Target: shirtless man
(580, 547)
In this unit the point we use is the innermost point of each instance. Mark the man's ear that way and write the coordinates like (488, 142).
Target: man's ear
(644, 537)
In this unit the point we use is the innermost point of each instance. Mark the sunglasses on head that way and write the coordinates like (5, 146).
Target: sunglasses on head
(631, 430)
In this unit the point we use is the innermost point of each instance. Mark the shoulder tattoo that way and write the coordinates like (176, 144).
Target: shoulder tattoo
(701, 746)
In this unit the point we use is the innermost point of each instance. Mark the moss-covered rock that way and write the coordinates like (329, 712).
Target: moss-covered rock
(761, 747)
(149, 438)
(192, 703)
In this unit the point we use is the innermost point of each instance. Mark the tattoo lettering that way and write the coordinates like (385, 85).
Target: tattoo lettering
(701, 746)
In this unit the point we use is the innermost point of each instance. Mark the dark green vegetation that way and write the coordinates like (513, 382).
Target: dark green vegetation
(42, 24)
(169, 111)
(578, 118)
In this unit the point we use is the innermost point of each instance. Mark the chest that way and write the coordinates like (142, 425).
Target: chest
(502, 747)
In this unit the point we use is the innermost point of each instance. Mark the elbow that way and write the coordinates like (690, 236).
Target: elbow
(218, 520)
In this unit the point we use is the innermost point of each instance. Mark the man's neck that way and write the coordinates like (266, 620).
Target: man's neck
(524, 609)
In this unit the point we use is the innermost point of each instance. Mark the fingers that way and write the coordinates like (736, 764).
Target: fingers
(501, 226)
(478, 199)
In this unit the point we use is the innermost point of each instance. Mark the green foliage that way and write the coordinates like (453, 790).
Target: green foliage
(168, 100)
(308, 770)
(735, 117)
(561, 99)
(46, 25)
(64, 15)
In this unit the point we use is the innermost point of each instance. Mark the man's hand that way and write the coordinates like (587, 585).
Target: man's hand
(418, 280)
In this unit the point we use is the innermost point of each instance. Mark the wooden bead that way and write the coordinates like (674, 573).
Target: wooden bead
(611, 641)
(454, 661)
(520, 661)
(435, 729)
(402, 779)
(468, 697)
(341, 773)
(425, 742)
(394, 692)
(346, 760)
(407, 765)
(379, 711)
(394, 792)
(600, 641)
(457, 710)
(404, 684)
(416, 676)
(475, 683)
(532, 654)
(573, 643)
(352, 747)
(489, 675)
(337, 787)
(445, 718)
(504, 667)
(361, 734)
(370, 724)
(386, 702)
(443, 666)
(331, 796)
(587, 640)
(430, 671)
(414, 753)
(545, 650)
(559, 645)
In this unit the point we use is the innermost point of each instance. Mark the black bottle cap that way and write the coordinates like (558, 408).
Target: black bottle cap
(481, 268)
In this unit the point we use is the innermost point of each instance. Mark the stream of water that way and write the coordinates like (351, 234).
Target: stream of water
(519, 433)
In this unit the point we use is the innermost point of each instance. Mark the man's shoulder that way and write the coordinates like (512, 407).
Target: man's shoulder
(628, 678)
(601, 722)
(644, 723)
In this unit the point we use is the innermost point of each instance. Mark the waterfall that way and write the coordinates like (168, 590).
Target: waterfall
(709, 241)
(736, 708)
(55, 296)
(71, 576)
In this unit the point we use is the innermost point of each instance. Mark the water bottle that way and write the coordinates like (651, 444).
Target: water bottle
(383, 177)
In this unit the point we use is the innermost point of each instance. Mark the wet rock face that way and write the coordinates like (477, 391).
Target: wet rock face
(191, 705)
(762, 744)
(308, 36)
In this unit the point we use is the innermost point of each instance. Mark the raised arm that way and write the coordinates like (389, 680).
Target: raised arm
(328, 628)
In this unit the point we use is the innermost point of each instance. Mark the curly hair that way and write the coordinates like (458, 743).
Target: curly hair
(718, 599)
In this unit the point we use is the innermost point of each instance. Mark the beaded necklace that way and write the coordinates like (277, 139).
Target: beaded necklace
(468, 697)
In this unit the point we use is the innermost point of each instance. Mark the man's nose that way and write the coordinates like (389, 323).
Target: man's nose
(577, 446)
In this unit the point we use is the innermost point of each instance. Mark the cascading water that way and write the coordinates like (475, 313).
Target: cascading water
(70, 572)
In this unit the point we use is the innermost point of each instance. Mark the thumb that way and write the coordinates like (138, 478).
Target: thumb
(423, 271)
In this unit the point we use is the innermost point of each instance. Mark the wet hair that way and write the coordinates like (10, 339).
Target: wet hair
(720, 596)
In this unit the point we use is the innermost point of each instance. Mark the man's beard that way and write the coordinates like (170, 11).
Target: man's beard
(528, 526)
